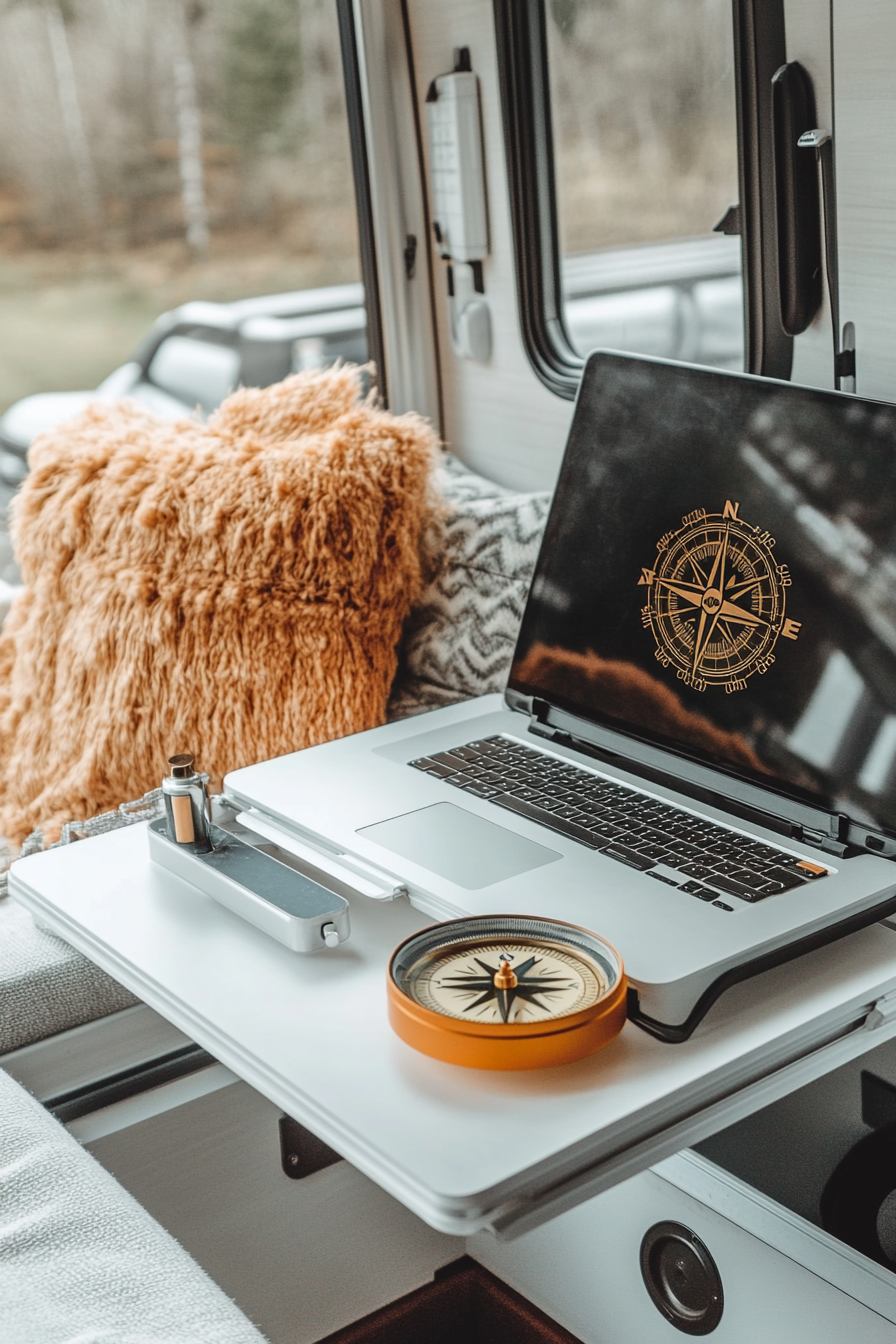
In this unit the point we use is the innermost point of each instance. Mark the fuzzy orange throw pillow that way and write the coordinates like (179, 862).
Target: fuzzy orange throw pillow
(235, 589)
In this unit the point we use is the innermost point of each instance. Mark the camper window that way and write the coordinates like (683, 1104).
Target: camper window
(633, 153)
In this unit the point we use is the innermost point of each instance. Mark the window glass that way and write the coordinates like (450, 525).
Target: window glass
(645, 154)
(160, 152)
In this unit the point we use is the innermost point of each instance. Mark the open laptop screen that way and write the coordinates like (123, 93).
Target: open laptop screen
(718, 577)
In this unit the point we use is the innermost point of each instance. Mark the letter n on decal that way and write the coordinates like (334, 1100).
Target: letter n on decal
(730, 510)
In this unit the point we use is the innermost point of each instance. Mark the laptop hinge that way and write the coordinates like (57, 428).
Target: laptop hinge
(831, 844)
(541, 728)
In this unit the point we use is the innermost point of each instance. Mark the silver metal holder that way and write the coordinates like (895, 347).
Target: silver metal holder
(259, 881)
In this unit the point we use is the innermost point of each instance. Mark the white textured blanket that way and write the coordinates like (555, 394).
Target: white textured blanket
(81, 1262)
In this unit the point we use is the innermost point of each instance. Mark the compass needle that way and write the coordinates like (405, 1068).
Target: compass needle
(690, 592)
(699, 642)
(732, 613)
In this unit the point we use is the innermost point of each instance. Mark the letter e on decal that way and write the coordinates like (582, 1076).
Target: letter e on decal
(791, 629)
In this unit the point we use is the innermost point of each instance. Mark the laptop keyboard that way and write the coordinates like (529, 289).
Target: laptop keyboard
(686, 851)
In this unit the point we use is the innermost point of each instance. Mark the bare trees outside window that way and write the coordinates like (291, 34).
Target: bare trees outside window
(153, 151)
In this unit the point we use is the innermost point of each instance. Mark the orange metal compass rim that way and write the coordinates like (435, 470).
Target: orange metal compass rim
(508, 1046)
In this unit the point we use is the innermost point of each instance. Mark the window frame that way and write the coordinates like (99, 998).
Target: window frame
(522, 55)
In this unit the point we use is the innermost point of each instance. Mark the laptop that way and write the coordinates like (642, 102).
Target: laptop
(695, 755)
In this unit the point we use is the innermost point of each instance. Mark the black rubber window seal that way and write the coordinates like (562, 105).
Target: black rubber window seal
(521, 40)
(760, 49)
(357, 132)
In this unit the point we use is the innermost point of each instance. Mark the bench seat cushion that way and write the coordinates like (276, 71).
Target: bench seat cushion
(80, 1260)
(45, 985)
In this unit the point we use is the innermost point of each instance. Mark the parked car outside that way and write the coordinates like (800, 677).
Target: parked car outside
(678, 300)
(196, 354)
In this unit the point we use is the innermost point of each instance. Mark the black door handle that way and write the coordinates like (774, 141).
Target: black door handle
(796, 191)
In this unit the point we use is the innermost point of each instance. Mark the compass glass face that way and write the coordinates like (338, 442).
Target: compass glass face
(541, 981)
(718, 579)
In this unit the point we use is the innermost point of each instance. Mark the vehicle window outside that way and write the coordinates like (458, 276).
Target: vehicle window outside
(155, 153)
(645, 155)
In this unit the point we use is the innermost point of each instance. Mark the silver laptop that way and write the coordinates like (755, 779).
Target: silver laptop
(695, 755)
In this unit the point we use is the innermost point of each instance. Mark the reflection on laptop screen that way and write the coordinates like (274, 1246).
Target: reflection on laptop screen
(718, 577)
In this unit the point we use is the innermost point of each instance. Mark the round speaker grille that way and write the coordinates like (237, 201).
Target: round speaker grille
(682, 1278)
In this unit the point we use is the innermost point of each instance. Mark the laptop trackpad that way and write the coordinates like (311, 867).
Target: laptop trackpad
(459, 845)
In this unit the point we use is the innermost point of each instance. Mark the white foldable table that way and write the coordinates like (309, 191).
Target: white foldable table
(463, 1149)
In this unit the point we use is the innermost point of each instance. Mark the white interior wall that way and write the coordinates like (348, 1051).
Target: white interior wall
(865, 150)
(497, 416)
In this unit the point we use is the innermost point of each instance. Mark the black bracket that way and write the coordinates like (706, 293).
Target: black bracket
(730, 222)
(878, 1101)
(301, 1152)
(845, 364)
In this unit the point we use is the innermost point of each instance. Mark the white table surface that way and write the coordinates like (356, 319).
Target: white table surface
(461, 1147)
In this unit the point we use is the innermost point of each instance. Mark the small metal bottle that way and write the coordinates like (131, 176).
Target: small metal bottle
(186, 804)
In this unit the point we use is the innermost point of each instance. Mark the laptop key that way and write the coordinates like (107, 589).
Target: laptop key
(697, 889)
(730, 869)
(661, 877)
(734, 888)
(653, 851)
(432, 767)
(549, 819)
(682, 850)
(791, 876)
(480, 790)
(468, 753)
(622, 854)
(698, 870)
(605, 830)
(652, 836)
(447, 759)
(763, 887)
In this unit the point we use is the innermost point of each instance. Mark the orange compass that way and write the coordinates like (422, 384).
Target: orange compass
(506, 992)
(715, 600)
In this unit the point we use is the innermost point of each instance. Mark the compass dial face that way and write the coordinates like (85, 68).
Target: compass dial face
(715, 600)
(506, 992)
(551, 981)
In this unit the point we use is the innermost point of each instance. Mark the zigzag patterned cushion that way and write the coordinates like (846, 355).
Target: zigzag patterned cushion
(459, 639)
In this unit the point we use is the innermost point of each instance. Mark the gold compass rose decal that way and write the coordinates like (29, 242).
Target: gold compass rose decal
(715, 600)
